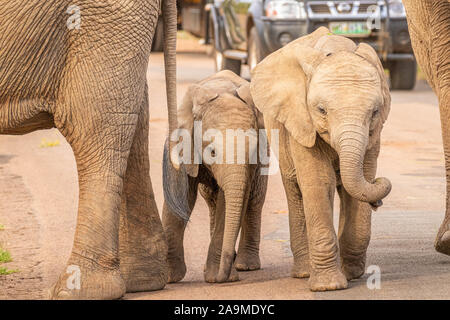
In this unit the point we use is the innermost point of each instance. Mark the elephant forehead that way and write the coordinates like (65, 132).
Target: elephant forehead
(229, 112)
(334, 43)
(220, 85)
(346, 69)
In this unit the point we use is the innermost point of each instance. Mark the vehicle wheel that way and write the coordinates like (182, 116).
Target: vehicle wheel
(403, 74)
(158, 38)
(222, 63)
(254, 53)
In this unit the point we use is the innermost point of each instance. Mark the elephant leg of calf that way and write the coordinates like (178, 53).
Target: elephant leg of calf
(215, 246)
(354, 234)
(297, 228)
(248, 253)
(325, 272)
(93, 270)
(143, 247)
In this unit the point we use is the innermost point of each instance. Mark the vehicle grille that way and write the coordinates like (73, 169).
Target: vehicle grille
(341, 8)
(320, 8)
(363, 7)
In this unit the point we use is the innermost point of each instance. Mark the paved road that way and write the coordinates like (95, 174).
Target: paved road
(38, 202)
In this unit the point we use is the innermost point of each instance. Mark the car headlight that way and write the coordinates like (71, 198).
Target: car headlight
(396, 9)
(285, 9)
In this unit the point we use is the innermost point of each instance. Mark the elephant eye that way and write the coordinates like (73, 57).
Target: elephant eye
(375, 113)
(322, 110)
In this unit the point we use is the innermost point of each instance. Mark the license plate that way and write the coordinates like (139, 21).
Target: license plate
(355, 29)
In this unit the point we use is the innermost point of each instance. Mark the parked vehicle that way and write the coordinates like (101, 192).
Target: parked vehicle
(246, 31)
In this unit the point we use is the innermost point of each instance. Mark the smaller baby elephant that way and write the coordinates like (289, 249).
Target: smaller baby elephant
(225, 170)
(329, 98)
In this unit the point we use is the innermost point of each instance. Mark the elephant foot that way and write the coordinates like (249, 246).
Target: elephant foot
(143, 257)
(300, 270)
(442, 243)
(146, 272)
(353, 268)
(247, 261)
(212, 271)
(177, 270)
(327, 280)
(80, 283)
(148, 277)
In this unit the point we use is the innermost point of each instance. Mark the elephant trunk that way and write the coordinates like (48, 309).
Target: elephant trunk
(236, 190)
(351, 146)
(170, 43)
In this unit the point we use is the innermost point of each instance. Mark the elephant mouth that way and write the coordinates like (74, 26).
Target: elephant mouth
(375, 205)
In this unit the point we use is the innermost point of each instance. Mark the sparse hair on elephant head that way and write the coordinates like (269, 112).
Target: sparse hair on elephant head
(325, 85)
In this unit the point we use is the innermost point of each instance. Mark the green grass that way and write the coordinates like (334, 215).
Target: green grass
(5, 256)
(5, 272)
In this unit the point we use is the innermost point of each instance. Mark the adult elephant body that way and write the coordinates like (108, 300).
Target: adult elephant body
(82, 69)
(429, 27)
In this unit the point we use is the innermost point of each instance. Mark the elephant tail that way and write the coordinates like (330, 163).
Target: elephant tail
(170, 44)
(177, 187)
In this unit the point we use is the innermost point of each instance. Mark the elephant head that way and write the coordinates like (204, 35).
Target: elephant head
(325, 85)
(221, 103)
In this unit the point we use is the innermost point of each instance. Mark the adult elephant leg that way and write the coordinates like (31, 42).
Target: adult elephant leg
(442, 243)
(174, 228)
(297, 228)
(441, 50)
(143, 247)
(429, 27)
(248, 253)
(93, 268)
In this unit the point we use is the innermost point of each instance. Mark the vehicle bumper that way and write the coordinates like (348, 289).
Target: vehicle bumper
(273, 31)
(397, 44)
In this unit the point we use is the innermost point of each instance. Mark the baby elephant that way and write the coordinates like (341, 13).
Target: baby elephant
(225, 170)
(329, 99)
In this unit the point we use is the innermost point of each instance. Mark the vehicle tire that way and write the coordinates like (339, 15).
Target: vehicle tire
(220, 62)
(403, 74)
(254, 51)
(158, 37)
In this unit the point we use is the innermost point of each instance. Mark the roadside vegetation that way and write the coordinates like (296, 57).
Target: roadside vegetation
(5, 257)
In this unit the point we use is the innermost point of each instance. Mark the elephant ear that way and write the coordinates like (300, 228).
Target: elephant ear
(190, 110)
(367, 52)
(279, 85)
(244, 93)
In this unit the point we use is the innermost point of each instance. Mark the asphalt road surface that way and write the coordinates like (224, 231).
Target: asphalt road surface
(38, 205)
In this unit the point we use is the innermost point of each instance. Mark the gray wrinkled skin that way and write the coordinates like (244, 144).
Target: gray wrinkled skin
(429, 27)
(329, 98)
(90, 83)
